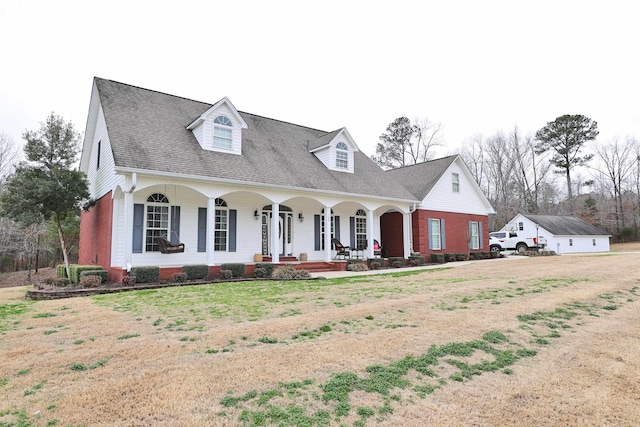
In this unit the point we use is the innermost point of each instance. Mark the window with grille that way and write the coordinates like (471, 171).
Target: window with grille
(157, 221)
(221, 227)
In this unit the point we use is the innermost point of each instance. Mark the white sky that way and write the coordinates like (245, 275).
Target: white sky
(475, 66)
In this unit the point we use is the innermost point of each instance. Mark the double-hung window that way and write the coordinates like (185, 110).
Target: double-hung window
(221, 230)
(436, 237)
(474, 238)
(222, 132)
(157, 220)
(342, 156)
(455, 182)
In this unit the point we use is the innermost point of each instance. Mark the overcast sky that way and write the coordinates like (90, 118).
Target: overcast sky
(475, 66)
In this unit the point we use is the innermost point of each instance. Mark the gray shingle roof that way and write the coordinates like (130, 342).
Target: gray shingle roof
(566, 225)
(420, 178)
(147, 130)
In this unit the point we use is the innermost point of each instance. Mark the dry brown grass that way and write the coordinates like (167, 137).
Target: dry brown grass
(590, 375)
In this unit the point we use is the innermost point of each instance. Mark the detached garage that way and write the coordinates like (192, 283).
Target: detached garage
(563, 234)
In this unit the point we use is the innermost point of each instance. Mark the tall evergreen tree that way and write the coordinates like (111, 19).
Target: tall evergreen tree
(47, 185)
(565, 137)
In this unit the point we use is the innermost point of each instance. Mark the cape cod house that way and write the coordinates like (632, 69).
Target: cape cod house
(227, 185)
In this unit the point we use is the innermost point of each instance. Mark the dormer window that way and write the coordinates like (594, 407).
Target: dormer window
(342, 156)
(222, 132)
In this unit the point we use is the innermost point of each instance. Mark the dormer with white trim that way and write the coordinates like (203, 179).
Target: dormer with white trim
(219, 128)
(335, 150)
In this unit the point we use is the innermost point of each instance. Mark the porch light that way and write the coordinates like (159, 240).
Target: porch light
(300, 217)
(256, 215)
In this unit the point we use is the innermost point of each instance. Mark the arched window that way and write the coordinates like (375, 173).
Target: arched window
(222, 132)
(361, 229)
(221, 236)
(157, 220)
(342, 156)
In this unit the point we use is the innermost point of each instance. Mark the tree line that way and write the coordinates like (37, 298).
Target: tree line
(562, 169)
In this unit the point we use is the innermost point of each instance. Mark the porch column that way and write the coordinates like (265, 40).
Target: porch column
(406, 231)
(327, 234)
(211, 230)
(275, 229)
(128, 229)
(369, 253)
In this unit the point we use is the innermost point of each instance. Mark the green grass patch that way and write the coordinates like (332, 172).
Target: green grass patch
(127, 336)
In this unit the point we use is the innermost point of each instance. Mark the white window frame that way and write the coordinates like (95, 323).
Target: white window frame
(455, 182)
(156, 224)
(222, 133)
(221, 227)
(475, 235)
(342, 156)
(361, 229)
(436, 235)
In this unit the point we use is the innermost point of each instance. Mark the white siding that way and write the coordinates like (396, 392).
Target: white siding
(206, 135)
(328, 158)
(101, 180)
(467, 200)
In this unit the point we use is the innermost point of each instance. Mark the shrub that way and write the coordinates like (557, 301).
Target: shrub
(179, 277)
(146, 274)
(102, 274)
(89, 281)
(449, 257)
(264, 269)
(196, 272)
(59, 282)
(61, 272)
(286, 272)
(357, 266)
(129, 280)
(237, 269)
(397, 262)
(226, 274)
(461, 257)
(374, 265)
(75, 270)
(416, 260)
(437, 258)
(379, 261)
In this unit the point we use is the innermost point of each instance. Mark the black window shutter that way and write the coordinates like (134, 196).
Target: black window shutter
(316, 232)
(175, 225)
(202, 229)
(233, 214)
(138, 227)
(352, 232)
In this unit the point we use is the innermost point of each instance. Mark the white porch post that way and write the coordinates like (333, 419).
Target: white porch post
(369, 233)
(128, 229)
(275, 228)
(327, 234)
(406, 226)
(211, 230)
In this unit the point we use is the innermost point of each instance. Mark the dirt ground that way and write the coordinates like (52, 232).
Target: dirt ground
(588, 374)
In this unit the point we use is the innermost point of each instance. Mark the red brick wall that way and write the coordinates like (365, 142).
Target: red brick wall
(456, 230)
(95, 234)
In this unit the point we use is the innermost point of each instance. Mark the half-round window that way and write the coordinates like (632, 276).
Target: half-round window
(157, 198)
(222, 120)
(341, 146)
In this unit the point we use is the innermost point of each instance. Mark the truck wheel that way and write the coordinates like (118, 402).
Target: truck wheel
(521, 248)
(495, 248)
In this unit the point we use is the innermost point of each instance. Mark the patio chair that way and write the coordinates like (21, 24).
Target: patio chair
(341, 250)
(166, 247)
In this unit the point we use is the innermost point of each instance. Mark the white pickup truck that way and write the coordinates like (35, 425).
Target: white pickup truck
(512, 241)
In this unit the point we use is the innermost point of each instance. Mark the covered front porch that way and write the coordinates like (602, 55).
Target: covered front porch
(218, 224)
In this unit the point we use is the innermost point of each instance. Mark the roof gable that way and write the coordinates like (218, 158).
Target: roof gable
(211, 112)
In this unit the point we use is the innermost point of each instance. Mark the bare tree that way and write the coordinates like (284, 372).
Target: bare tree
(8, 156)
(617, 162)
(426, 136)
